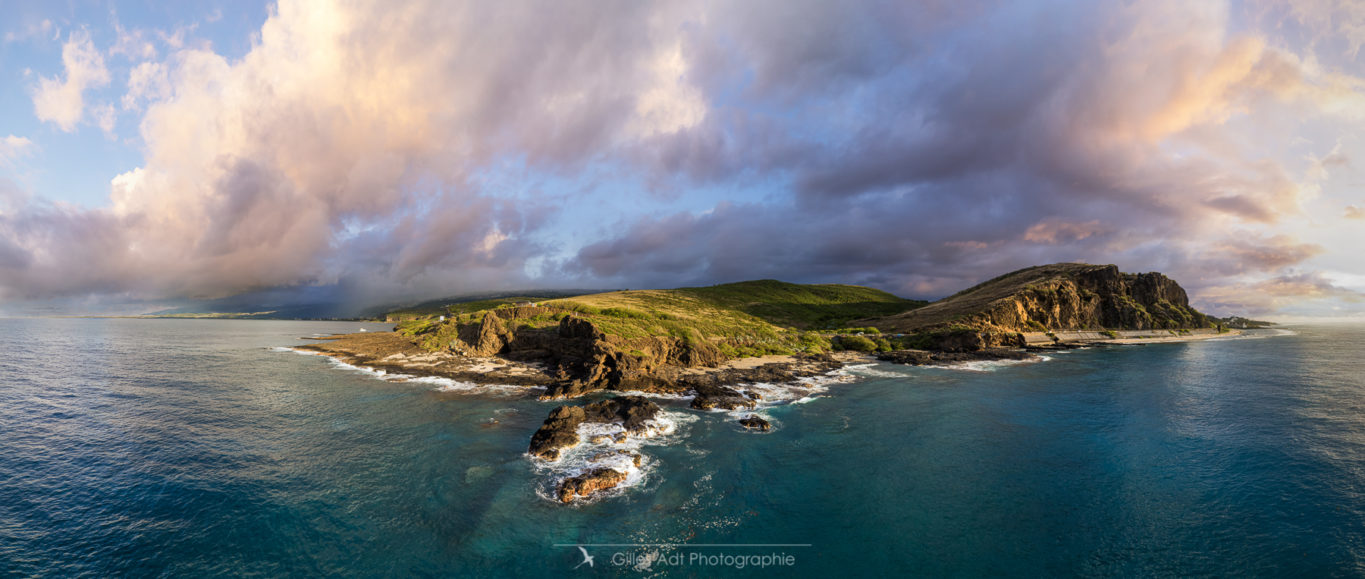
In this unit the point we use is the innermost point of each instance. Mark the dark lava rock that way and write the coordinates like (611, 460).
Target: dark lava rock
(587, 484)
(710, 396)
(560, 429)
(756, 422)
(923, 357)
(910, 357)
(586, 360)
(631, 412)
(711, 388)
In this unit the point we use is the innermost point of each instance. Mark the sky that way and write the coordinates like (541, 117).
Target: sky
(160, 151)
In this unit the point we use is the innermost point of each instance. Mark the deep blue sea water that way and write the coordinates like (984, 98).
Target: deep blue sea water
(192, 448)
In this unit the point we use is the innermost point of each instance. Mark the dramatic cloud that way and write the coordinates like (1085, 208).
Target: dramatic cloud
(348, 128)
(63, 101)
(919, 147)
(1032, 143)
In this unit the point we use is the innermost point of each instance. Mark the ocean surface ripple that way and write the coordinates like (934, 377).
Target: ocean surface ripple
(198, 448)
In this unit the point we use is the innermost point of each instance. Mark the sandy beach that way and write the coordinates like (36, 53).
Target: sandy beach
(1124, 337)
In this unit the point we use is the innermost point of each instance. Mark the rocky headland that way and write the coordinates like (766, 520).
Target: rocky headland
(717, 347)
(634, 414)
(1048, 299)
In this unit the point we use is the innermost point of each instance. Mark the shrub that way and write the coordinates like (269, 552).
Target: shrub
(855, 343)
(866, 330)
(813, 343)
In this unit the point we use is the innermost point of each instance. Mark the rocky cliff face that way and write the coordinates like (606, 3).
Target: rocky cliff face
(583, 358)
(1043, 298)
(1099, 298)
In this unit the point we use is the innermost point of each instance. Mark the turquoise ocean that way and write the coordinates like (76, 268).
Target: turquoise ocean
(187, 448)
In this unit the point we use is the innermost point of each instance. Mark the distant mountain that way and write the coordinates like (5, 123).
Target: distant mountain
(335, 303)
(310, 303)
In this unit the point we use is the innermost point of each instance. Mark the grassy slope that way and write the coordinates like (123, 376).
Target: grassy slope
(743, 319)
(825, 306)
(467, 304)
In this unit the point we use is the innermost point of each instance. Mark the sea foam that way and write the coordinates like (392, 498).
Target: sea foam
(665, 428)
(438, 383)
(987, 365)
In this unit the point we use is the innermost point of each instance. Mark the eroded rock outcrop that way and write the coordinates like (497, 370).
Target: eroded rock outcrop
(755, 422)
(560, 430)
(1057, 297)
(590, 483)
(580, 357)
(1097, 297)
(713, 397)
(587, 359)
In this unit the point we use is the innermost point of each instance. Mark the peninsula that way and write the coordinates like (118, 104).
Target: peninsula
(711, 344)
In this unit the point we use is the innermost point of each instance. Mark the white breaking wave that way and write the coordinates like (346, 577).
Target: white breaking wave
(801, 391)
(871, 370)
(658, 395)
(381, 374)
(987, 365)
(450, 385)
(610, 446)
(440, 384)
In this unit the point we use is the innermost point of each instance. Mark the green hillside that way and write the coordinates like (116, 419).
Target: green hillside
(825, 306)
(741, 319)
(473, 303)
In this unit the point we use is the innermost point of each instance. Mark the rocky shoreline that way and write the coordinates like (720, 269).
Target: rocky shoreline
(607, 428)
(605, 433)
(391, 353)
(927, 357)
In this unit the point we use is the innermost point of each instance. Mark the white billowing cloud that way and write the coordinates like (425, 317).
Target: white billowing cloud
(62, 101)
(350, 116)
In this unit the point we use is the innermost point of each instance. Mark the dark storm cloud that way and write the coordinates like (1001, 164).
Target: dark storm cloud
(1017, 136)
